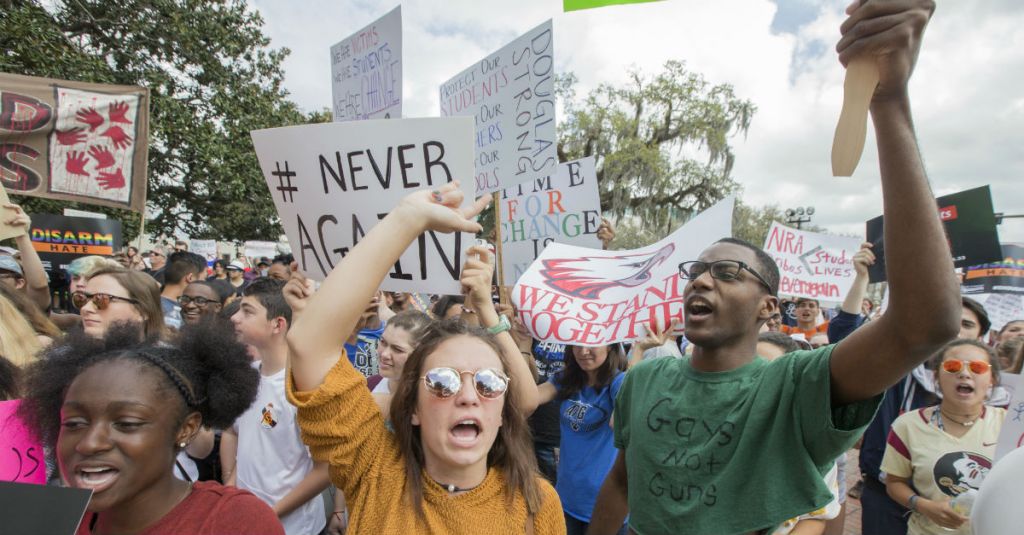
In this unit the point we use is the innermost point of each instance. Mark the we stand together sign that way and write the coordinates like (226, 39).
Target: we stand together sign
(331, 183)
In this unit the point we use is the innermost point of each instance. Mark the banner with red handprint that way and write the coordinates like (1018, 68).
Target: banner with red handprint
(74, 141)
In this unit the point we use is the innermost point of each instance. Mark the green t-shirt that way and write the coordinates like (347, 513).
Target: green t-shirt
(731, 452)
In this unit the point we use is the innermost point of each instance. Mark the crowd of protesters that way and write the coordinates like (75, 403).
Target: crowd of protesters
(235, 398)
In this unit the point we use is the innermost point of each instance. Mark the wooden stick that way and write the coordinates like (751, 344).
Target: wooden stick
(142, 228)
(498, 258)
(851, 131)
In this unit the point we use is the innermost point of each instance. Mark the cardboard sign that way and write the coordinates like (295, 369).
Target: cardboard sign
(1003, 277)
(331, 183)
(74, 141)
(1011, 436)
(42, 509)
(970, 226)
(576, 5)
(564, 207)
(588, 297)
(204, 248)
(366, 71)
(511, 96)
(60, 239)
(7, 231)
(21, 457)
(811, 264)
(259, 249)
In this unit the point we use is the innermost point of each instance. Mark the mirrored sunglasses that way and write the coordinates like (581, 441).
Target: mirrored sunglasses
(977, 367)
(101, 300)
(447, 382)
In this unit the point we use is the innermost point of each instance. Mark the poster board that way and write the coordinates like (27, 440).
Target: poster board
(366, 71)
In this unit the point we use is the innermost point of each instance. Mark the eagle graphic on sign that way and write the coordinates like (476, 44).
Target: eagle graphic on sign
(588, 276)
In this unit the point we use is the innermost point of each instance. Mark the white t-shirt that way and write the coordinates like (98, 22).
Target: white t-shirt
(184, 462)
(383, 387)
(271, 457)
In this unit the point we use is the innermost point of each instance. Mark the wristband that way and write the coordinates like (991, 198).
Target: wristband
(503, 325)
(912, 502)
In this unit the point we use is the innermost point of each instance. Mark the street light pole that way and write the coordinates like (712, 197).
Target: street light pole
(799, 216)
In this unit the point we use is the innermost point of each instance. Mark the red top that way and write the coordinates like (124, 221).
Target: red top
(212, 509)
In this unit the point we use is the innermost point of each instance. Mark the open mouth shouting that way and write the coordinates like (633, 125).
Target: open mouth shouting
(964, 390)
(465, 432)
(697, 309)
(97, 477)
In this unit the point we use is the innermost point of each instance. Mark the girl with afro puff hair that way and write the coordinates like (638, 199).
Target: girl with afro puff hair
(116, 412)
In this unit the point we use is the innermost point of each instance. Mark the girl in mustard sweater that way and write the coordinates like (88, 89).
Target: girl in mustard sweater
(460, 460)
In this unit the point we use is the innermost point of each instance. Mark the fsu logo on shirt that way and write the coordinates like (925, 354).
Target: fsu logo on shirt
(958, 471)
(268, 420)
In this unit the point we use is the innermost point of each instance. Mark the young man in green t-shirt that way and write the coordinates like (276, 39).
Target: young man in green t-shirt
(726, 443)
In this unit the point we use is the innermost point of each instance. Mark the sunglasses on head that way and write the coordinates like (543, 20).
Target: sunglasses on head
(447, 382)
(101, 300)
(977, 367)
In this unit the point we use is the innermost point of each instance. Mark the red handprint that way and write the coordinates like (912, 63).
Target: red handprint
(117, 137)
(113, 180)
(71, 136)
(90, 117)
(117, 112)
(102, 156)
(76, 163)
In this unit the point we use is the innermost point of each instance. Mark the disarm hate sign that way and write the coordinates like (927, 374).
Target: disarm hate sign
(564, 207)
(511, 96)
(331, 183)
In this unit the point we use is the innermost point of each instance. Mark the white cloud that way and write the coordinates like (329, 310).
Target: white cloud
(966, 95)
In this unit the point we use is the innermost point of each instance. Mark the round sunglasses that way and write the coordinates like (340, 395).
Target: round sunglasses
(447, 382)
(977, 367)
(101, 300)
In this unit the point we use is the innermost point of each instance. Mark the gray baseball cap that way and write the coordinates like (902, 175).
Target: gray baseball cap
(8, 263)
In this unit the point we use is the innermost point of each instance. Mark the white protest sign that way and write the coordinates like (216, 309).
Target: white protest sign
(511, 96)
(366, 71)
(589, 297)
(1011, 436)
(331, 183)
(257, 249)
(204, 248)
(812, 265)
(1003, 308)
(564, 207)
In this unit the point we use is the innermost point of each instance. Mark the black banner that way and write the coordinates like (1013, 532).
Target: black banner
(970, 225)
(1003, 277)
(60, 239)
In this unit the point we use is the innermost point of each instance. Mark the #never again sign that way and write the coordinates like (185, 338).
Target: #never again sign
(331, 183)
(511, 96)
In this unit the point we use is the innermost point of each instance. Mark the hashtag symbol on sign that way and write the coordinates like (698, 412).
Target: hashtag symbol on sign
(284, 181)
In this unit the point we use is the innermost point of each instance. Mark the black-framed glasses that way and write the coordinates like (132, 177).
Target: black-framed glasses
(101, 300)
(200, 302)
(724, 270)
(447, 382)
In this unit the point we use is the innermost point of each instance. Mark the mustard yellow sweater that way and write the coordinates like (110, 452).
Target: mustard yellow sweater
(342, 426)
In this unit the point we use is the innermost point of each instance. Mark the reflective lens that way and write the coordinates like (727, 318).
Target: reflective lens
(79, 299)
(446, 382)
(977, 367)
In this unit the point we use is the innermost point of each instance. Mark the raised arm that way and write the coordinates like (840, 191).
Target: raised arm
(849, 319)
(924, 303)
(316, 338)
(37, 282)
(476, 284)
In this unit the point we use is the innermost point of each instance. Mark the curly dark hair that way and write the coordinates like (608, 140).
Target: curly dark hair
(208, 369)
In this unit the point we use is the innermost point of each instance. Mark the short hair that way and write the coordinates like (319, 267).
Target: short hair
(181, 264)
(766, 266)
(284, 258)
(87, 265)
(444, 303)
(780, 340)
(270, 293)
(221, 287)
(979, 310)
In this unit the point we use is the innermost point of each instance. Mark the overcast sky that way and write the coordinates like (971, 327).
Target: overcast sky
(967, 90)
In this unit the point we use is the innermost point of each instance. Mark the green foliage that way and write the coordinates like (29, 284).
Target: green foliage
(661, 144)
(212, 79)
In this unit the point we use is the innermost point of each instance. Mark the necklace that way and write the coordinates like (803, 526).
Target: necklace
(965, 424)
(452, 489)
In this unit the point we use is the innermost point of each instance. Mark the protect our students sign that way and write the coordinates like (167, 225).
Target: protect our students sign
(590, 297)
(366, 71)
(813, 265)
(331, 183)
(564, 207)
(511, 96)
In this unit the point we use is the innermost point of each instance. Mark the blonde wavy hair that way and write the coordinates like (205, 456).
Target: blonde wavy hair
(18, 341)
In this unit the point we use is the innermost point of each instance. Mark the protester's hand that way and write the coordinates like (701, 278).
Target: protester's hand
(298, 290)
(941, 513)
(863, 259)
(476, 277)
(605, 233)
(439, 209)
(16, 217)
(520, 334)
(338, 524)
(656, 336)
(890, 32)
